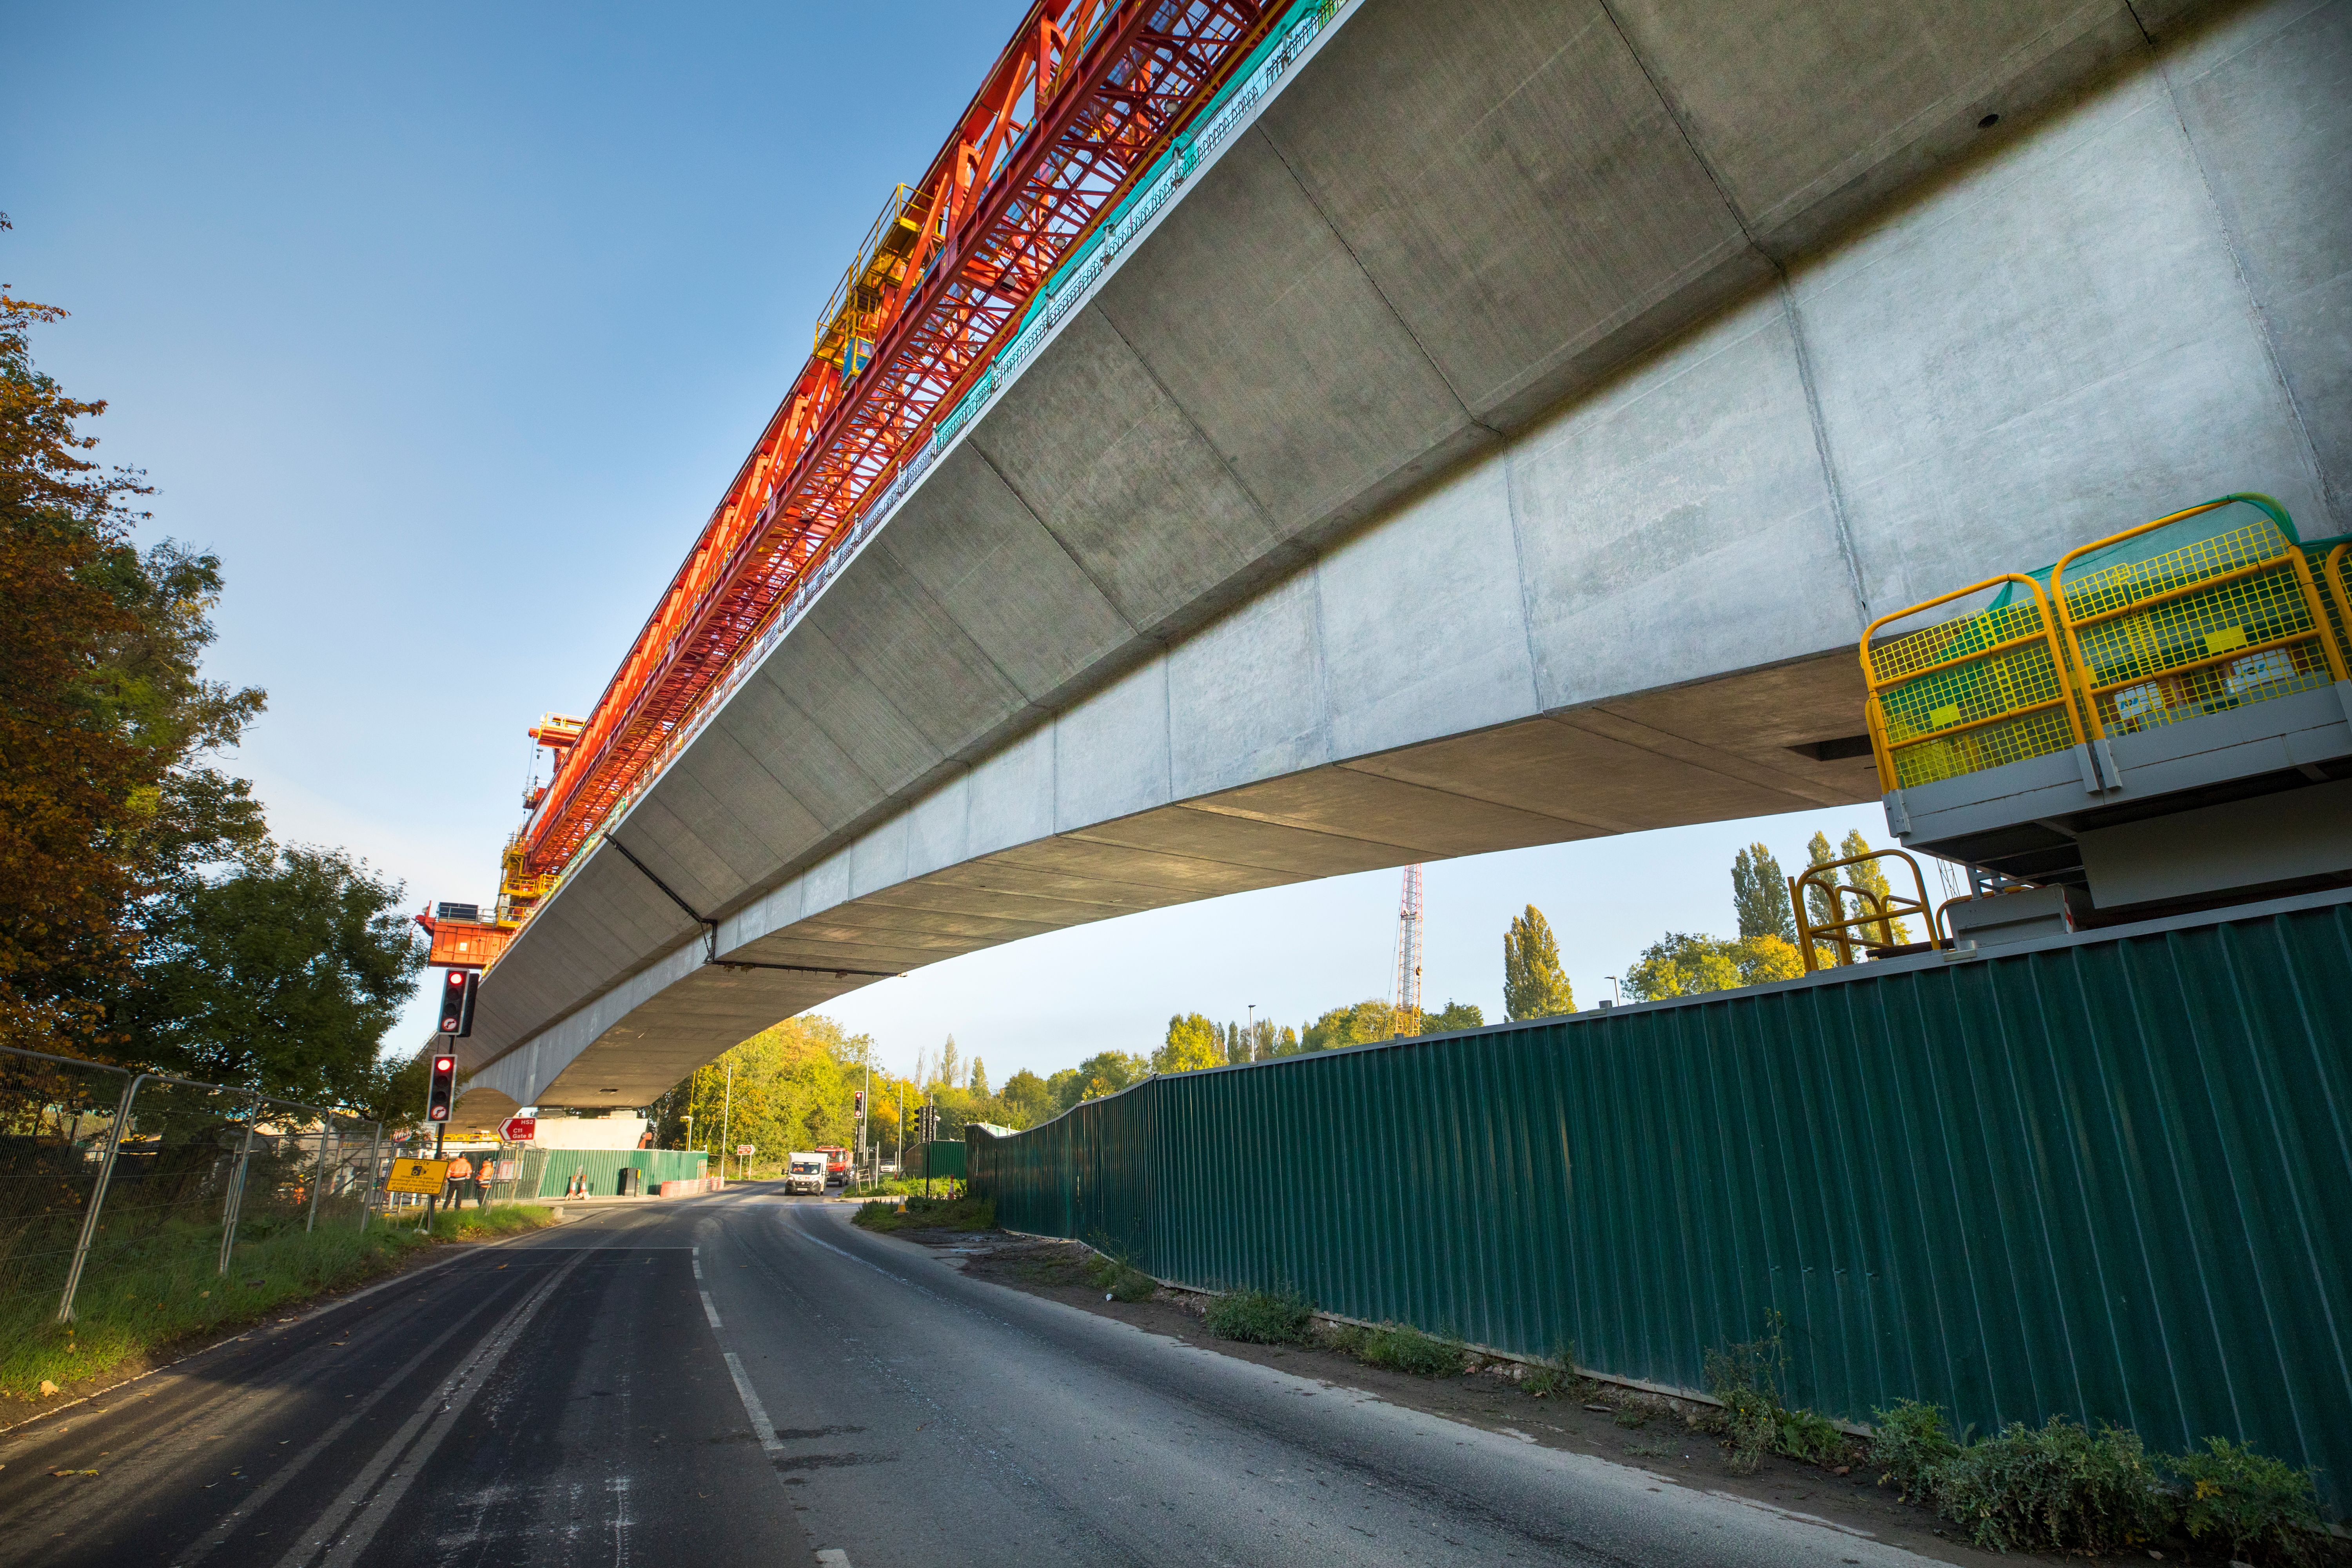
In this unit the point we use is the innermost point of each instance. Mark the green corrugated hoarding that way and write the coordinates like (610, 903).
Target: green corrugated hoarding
(943, 1159)
(2108, 1175)
(605, 1166)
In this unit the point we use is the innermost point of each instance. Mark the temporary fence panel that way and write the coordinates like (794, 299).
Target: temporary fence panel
(2106, 1177)
(114, 1182)
(603, 1168)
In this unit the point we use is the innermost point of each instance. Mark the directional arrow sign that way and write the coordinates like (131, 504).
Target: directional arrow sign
(518, 1130)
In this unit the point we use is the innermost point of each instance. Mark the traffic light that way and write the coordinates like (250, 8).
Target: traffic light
(457, 1002)
(858, 1100)
(445, 1087)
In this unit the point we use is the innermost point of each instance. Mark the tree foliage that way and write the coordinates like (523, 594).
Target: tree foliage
(1681, 964)
(1192, 1043)
(283, 975)
(1759, 895)
(1533, 985)
(143, 914)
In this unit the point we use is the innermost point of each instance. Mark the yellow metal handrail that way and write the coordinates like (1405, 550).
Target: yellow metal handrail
(2195, 582)
(1877, 911)
(1987, 676)
(2340, 563)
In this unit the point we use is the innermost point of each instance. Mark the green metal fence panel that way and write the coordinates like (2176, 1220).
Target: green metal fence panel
(942, 1158)
(2108, 1176)
(605, 1166)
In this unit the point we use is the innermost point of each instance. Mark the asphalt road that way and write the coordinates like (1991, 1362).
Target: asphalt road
(748, 1379)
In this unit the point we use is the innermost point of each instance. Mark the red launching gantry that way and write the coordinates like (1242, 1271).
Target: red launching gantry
(1084, 97)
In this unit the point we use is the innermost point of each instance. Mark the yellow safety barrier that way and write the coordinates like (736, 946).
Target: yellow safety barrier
(2231, 618)
(2340, 563)
(1876, 912)
(1969, 694)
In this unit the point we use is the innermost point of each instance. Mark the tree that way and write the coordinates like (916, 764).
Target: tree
(980, 1077)
(1192, 1043)
(1759, 895)
(104, 803)
(1105, 1072)
(1682, 964)
(1820, 905)
(1065, 1088)
(282, 976)
(1533, 985)
(948, 1063)
(1451, 1016)
(1356, 1025)
(1028, 1098)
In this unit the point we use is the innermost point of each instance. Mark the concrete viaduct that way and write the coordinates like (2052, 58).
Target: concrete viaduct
(1503, 441)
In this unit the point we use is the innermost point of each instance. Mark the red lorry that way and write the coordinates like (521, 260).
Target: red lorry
(837, 1165)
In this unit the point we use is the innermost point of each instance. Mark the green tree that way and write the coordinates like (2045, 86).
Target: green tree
(104, 798)
(1451, 1016)
(950, 1064)
(1759, 895)
(1533, 985)
(1356, 1025)
(1192, 1043)
(283, 975)
(1682, 964)
(1066, 1088)
(1820, 905)
(1028, 1098)
(1105, 1072)
(980, 1077)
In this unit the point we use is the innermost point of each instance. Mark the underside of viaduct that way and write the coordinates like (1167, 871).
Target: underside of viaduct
(1502, 442)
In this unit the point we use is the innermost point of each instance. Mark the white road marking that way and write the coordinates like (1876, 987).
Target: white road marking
(832, 1557)
(710, 1309)
(761, 1427)
(355, 1515)
(697, 1263)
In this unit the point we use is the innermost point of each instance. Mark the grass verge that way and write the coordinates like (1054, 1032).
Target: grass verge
(165, 1289)
(1399, 1347)
(919, 1213)
(1262, 1318)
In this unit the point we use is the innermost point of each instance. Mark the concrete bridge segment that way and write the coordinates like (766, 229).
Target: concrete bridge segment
(1502, 442)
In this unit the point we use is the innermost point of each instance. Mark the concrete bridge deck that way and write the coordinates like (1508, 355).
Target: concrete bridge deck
(1503, 441)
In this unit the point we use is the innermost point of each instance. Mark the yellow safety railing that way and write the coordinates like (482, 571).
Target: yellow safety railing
(2339, 563)
(2231, 618)
(1877, 912)
(2234, 616)
(1969, 694)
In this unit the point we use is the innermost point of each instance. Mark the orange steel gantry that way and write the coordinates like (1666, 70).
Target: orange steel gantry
(1081, 100)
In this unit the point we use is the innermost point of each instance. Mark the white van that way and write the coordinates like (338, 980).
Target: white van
(804, 1173)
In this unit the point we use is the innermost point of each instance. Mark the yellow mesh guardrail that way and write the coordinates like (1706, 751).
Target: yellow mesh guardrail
(2235, 616)
(1967, 695)
(2231, 618)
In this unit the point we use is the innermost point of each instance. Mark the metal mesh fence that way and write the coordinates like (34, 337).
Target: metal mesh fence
(107, 1177)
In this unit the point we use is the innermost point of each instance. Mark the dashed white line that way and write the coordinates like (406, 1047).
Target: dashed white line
(832, 1557)
(711, 1310)
(761, 1427)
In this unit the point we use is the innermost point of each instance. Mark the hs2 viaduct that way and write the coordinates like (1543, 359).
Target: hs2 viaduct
(1501, 439)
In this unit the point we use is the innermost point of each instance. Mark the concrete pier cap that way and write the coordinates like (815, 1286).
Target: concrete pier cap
(1502, 441)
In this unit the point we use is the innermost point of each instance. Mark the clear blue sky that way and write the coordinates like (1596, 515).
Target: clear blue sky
(444, 326)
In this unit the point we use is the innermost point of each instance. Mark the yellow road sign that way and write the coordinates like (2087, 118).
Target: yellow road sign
(426, 1177)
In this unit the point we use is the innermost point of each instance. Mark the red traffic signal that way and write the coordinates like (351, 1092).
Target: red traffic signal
(858, 1100)
(444, 1086)
(457, 1002)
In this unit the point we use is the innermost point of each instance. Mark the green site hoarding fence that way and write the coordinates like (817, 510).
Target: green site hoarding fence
(2107, 1175)
(604, 1167)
